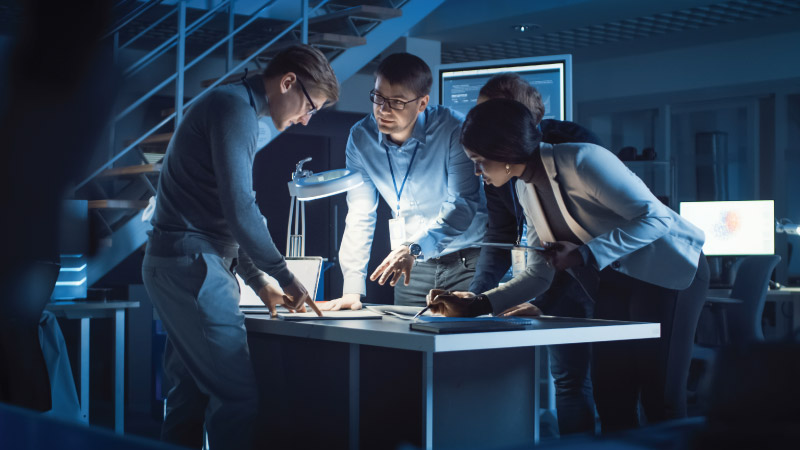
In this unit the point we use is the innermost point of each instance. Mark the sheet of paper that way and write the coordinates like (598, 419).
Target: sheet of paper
(403, 312)
(331, 315)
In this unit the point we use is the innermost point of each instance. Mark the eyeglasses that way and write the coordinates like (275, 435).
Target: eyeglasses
(313, 109)
(393, 103)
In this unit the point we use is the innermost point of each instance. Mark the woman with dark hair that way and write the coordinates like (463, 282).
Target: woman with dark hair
(636, 258)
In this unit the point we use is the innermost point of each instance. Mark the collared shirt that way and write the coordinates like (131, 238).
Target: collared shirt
(442, 203)
(206, 201)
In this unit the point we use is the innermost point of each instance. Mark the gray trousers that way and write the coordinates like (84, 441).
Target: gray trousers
(206, 357)
(452, 272)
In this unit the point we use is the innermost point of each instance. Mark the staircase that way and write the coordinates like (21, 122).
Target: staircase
(209, 47)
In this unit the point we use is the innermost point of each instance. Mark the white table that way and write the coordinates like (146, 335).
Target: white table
(375, 383)
(85, 311)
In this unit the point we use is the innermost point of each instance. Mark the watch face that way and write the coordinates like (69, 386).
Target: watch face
(414, 249)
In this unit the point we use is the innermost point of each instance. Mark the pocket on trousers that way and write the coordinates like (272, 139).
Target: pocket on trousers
(469, 262)
(187, 266)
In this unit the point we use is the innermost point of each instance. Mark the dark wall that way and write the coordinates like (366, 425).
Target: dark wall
(324, 139)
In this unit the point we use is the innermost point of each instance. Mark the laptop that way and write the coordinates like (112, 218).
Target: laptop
(307, 269)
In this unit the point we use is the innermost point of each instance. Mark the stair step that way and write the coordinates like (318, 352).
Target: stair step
(153, 157)
(331, 40)
(118, 204)
(154, 139)
(341, 41)
(141, 169)
(359, 12)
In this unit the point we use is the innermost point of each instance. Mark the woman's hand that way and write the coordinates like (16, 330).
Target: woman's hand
(524, 309)
(455, 304)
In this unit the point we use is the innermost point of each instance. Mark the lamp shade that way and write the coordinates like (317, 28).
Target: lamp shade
(323, 184)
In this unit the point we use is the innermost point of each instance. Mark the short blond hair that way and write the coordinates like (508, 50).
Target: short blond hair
(310, 65)
(513, 87)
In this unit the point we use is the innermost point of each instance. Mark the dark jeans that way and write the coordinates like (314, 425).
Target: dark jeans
(206, 359)
(570, 364)
(452, 272)
(653, 371)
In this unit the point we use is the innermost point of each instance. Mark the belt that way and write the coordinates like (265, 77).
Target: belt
(455, 256)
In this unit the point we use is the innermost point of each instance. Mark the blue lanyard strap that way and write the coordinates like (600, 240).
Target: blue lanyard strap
(520, 217)
(402, 186)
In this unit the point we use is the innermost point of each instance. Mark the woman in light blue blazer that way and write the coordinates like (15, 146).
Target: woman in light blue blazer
(634, 256)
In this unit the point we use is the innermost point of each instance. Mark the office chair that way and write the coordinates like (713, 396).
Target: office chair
(737, 318)
(750, 286)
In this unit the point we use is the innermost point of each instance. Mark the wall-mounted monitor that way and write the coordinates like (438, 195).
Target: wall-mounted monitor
(734, 227)
(460, 83)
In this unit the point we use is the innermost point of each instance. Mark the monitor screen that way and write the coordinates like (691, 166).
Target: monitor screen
(460, 83)
(734, 227)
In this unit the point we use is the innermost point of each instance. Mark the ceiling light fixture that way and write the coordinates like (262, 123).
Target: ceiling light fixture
(522, 28)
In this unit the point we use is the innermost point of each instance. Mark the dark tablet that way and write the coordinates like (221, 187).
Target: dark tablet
(465, 326)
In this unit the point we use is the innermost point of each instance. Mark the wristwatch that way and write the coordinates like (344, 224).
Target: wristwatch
(414, 249)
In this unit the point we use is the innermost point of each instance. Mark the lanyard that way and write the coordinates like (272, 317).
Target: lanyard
(400, 192)
(520, 217)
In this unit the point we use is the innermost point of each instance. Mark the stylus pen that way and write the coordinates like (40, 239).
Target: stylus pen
(422, 311)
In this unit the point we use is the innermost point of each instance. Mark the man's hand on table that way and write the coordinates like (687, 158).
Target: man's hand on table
(294, 297)
(272, 297)
(347, 301)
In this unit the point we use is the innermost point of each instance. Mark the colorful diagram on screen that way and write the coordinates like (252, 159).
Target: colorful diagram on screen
(734, 227)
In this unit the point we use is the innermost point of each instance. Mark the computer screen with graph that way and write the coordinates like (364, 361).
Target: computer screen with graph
(460, 83)
(734, 227)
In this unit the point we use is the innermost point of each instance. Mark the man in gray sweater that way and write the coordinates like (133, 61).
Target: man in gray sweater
(207, 227)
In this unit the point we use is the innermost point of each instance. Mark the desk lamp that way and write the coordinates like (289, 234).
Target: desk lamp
(786, 226)
(305, 186)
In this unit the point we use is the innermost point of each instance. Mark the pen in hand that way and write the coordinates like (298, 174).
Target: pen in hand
(421, 311)
(428, 306)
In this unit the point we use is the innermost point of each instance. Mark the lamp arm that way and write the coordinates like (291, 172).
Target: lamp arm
(786, 226)
(299, 172)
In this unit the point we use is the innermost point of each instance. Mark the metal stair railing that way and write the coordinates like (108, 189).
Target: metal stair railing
(179, 41)
(132, 233)
(173, 41)
(131, 16)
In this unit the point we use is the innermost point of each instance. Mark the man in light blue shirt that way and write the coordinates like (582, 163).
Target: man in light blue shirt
(411, 155)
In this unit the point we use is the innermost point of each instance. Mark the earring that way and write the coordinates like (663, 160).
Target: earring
(508, 169)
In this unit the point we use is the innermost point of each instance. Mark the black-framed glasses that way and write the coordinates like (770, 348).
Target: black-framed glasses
(393, 103)
(313, 109)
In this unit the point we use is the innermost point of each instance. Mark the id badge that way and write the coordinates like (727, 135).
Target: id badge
(519, 260)
(397, 232)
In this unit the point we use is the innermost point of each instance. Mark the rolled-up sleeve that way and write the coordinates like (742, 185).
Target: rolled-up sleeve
(362, 206)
